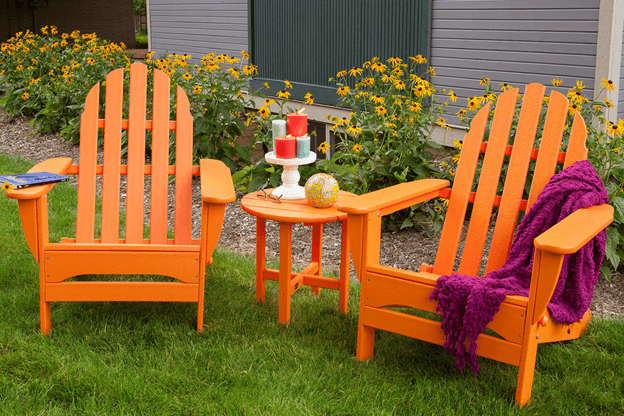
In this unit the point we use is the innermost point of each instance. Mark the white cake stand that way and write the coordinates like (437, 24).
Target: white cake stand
(290, 176)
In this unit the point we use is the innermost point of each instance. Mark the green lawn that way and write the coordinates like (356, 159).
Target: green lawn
(146, 358)
(141, 41)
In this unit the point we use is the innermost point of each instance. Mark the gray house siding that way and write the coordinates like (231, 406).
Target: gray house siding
(513, 42)
(199, 27)
(620, 103)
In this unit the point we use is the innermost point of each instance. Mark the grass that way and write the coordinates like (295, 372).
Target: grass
(146, 358)
(141, 41)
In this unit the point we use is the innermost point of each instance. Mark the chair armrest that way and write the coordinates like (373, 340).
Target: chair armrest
(397, 195)
(216, 182)
(57, 165)
(571, 233)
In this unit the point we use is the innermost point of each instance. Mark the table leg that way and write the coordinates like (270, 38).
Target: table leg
(285, 272)
(317, 252)
(260, 258)
(343, 299)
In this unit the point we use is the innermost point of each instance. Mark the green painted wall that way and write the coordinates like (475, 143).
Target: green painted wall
(306, 42)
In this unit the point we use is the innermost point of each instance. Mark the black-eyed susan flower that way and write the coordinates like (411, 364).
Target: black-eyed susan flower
(484, 81)
(197, 89)
(287, 84)
(415, 107)
(452, 96)
(341, 74)
(249, 69)
(608, 103)
(6, 186)
(378, 67)
(579, 85)
(607, 84)
(387, 78)
(574, 107)
(187, 76)
(283, 94)
(25, 96)
(457, 144)
(266, 86)
(377, 99)
(556, 82)
(264, 112)
(367, 82)
(245, 55)
(381, 110)
(354, 130)
(437, 208)
(309, 98)
(234, 72)
(355, 71)
(268, 102)
(504, 86)
(419, 90)
(432, 71)
(344, 90)
(399, 84)
(323, 147)
(357, 148)
(474, 103)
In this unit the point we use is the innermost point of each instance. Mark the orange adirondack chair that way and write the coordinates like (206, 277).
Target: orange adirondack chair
(522, 322)
(182, 257)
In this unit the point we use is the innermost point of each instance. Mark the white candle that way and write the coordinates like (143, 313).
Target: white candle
(279, 129)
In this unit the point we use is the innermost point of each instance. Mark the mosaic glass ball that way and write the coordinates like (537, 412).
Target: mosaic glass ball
(321, 190)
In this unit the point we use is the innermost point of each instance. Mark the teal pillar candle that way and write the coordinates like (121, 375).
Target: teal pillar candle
(278, 128)
(303, 146)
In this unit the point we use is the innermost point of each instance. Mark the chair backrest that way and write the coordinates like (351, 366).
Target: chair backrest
(112, 168)
(517, 158)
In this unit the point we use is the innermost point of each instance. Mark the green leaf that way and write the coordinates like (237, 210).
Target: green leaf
(613, 239)
(605, 271)
(407, 223)
(618, 204)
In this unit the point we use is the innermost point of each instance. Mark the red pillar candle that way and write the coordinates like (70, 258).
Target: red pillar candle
(285, 147)
(297, 124)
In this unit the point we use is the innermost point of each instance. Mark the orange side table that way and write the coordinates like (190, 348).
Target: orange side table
(287, 213)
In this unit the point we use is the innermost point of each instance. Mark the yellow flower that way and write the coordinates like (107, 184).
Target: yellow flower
(264, 112)
(419, 59)
(283, 94)
(344, 90)
(19, 67)
(197, 89)
(457, 144)
(474, 103)
(378, 67)
(377, 99)
(25, 96)
(399, 85)
(387, 78)
(453, 96)
(395, 61)
(419, 90)
(355, 71)
(484, 81)
(287, 84)
(445, 201)
(266, 86)
(608, 103)
(607, 84)
(53, 30)
(574, 107)
(234, 72)
(367, 82)
(249, 69)
(341, 74)
(505, 86)
(309, 98)
(616, 150)
(268, 102)
(149, 54)
(323, 147)
(556, 82)
(354, 130)
(245, 55)
(579, 85)
(357, 148)
(441, 121)
(6, 186)
(381, 110)
(187, 76)
(432, 71)
(437, 208)
(415, 107)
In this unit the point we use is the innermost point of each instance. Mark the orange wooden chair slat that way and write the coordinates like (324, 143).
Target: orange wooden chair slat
(182, 257)
(521, 322)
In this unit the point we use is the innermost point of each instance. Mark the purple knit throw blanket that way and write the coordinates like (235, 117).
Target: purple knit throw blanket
(467, 303)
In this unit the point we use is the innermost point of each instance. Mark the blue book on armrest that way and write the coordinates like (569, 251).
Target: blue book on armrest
(25, 180)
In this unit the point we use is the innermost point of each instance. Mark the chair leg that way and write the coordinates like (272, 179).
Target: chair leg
(200, 300)
(45, 318)
(527, 368)
(365, 341)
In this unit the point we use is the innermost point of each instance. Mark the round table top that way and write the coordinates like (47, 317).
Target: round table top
(292, 210)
